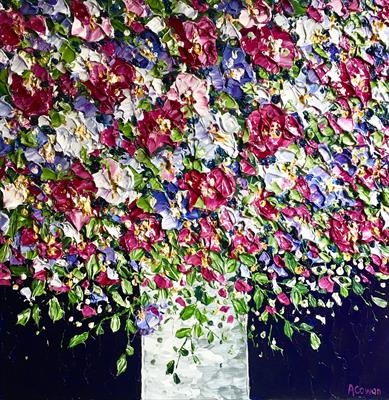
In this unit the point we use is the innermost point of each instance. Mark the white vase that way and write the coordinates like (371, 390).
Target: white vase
(221, 374)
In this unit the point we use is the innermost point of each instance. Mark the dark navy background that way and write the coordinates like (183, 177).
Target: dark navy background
(355, 350)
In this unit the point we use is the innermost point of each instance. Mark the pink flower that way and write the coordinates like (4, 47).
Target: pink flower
(271, 128)
(283, 298)
(88, 311)
(327, 284)
(191, 92)
(162, 282)
(85, 24)
(136, 7)
(270, 310)
(242, 286)
(208, 274)
(258, 13)
(353, 79)
(270, 48)
(284, 241)
(197, 41)
(181, 301)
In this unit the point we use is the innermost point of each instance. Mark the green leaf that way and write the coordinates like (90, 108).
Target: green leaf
(126, 286)
(130, 350)
(183, 332)
(288, 329)
(92, 267)
(119, 300)
(68, 54)
(176, 379)
(24, 317)
(201, 317)
(170, 367)
(56, 118)
(115, 323)
(247, 259)
(130, 326)
(258, 298)
(228, 102)
(121, 364)
(315, 341)
(4, 82)
(290, 262)
(5, 252)
(295, 296)
(55, 311)
(240, 306)
(184, 352)
(198, 330)
(298, 8)
(137, 254)
(157, 6)
(99, 330)
(144, 204)
(38, 288)
(217, 262)
(36, 314)
(210, 337)
(78, 339)
(379, 302)
(28, 139)
(188, 312)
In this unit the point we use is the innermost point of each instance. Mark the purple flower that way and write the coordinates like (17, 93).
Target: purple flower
(234, 72)
(148, 319)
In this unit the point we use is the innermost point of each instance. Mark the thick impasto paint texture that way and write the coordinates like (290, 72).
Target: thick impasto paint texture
(197, 158)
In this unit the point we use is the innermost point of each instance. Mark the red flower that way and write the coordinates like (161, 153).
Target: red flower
(5, 276)
(197, 41)
(103, 279)
(28, 237)
(271, 128)
(270, 48)
(242, 286)
(12, 26)
(341, 235)
(107, 84)
(156, 126)
(143, 233)
(214, 188)
(33, 96)
(353, 79)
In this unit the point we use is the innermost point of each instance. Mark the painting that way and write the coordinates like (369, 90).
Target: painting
(194, 199)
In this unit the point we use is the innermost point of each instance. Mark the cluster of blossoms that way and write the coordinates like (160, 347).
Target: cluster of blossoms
(195, 157)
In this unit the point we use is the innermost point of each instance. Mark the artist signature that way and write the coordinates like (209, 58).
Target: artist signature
(363, 391)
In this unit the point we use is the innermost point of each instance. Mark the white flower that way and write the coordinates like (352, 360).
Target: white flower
(115, 185)
(13, 196)
(78, 132)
